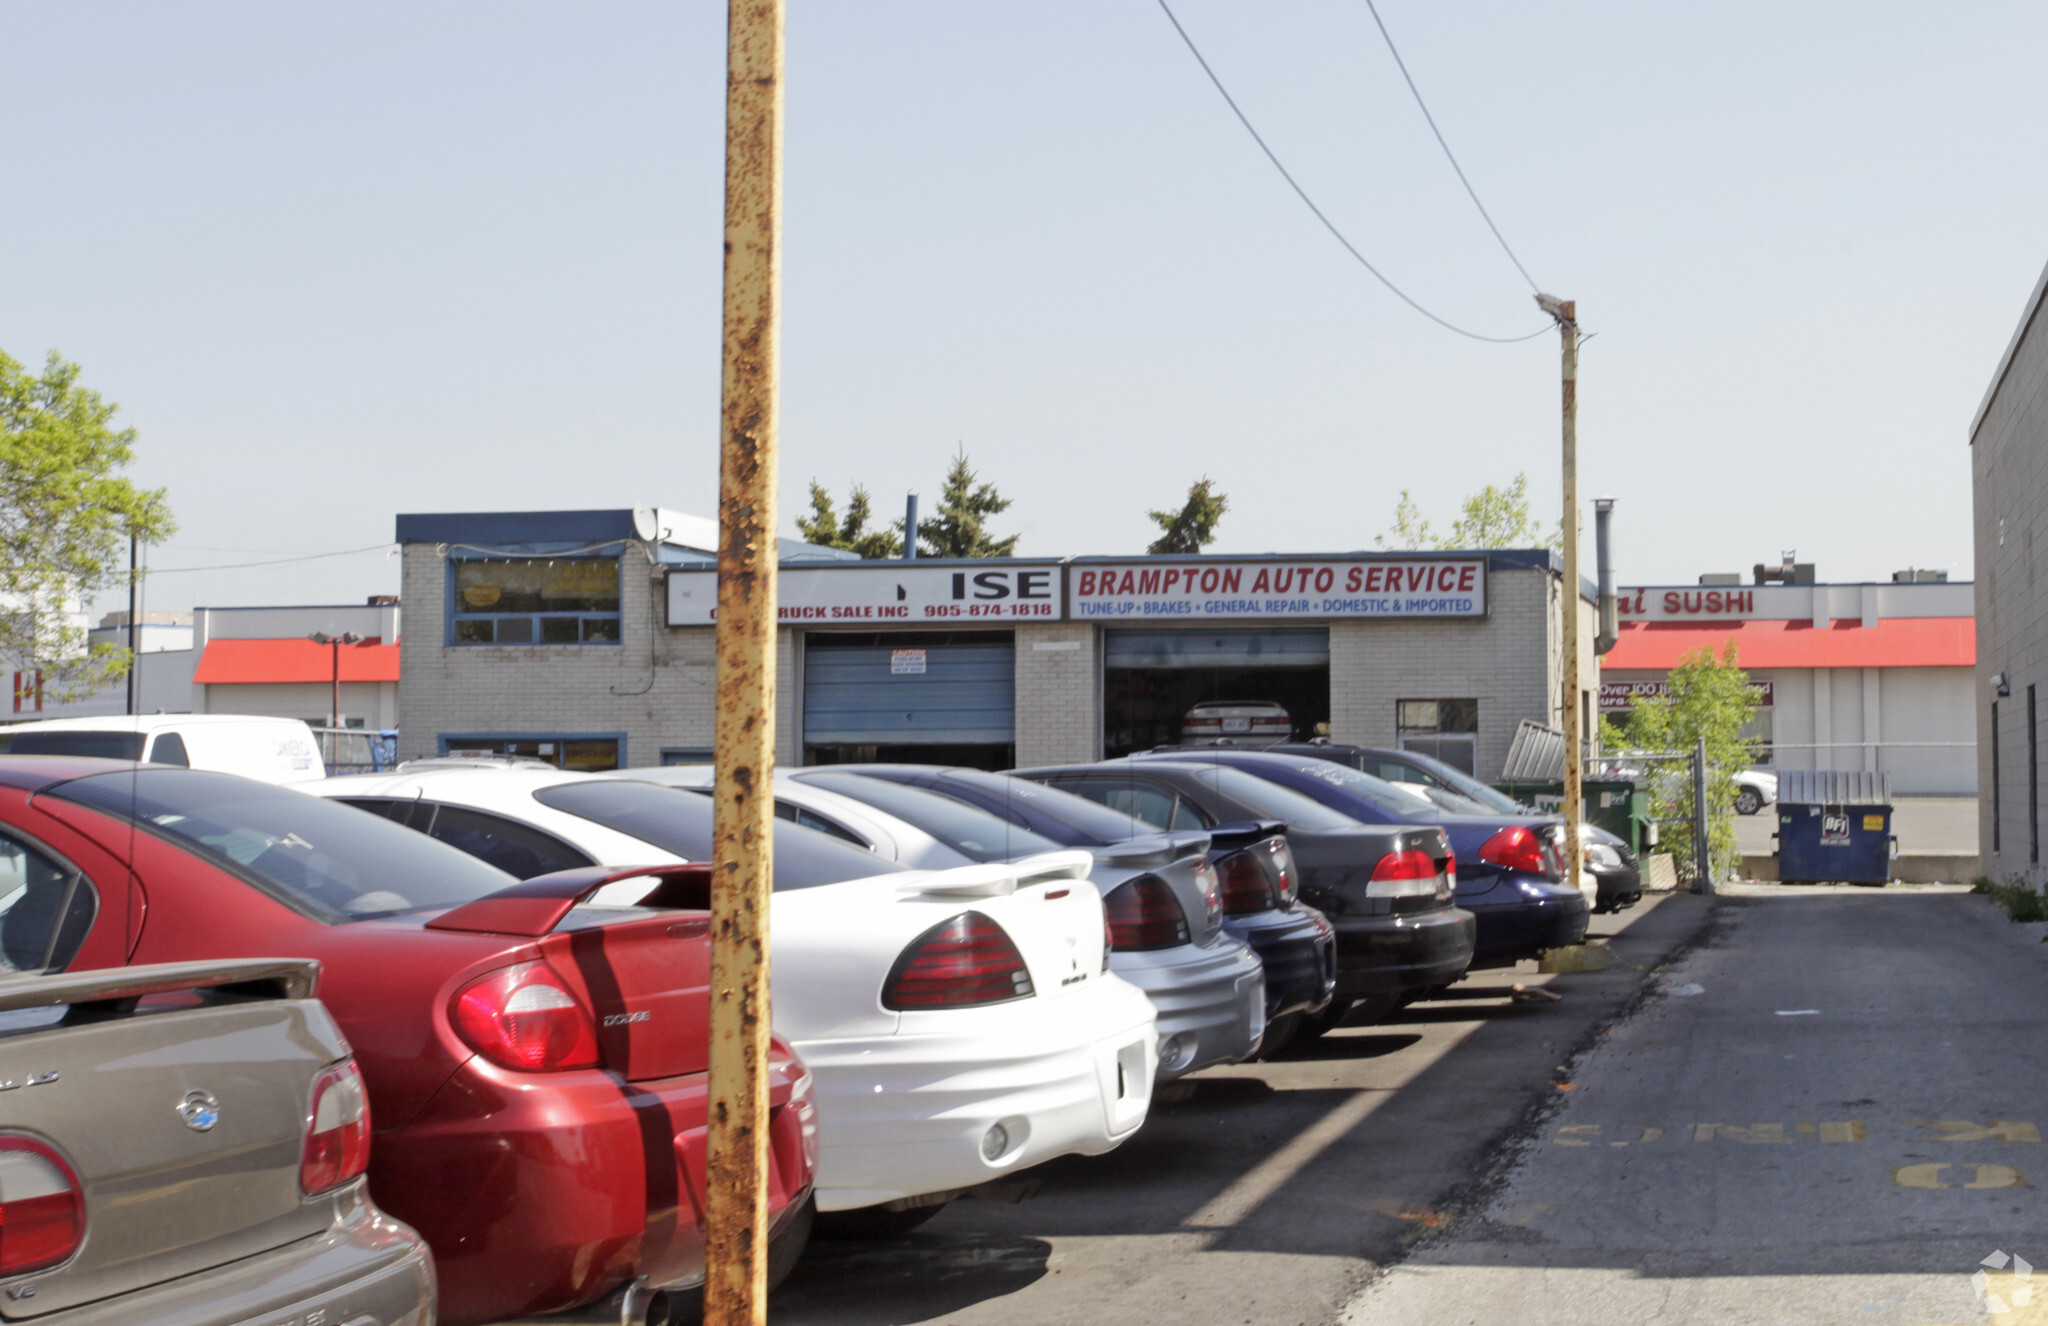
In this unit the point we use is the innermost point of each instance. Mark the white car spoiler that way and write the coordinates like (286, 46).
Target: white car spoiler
(996, 879)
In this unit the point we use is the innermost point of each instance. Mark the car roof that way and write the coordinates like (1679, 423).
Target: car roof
(32, 773)
(143, 722)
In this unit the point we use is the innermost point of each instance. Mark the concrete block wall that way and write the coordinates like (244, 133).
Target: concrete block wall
(656, 686)
(2009, 480)
(1059, 693)
(1508, 663)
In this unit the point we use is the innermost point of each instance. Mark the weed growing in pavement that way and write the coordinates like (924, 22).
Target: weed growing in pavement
(2022, 902)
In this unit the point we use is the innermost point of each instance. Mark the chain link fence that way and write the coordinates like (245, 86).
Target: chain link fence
(1933, 786)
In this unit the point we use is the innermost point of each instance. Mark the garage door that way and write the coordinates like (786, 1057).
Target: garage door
(910, 689)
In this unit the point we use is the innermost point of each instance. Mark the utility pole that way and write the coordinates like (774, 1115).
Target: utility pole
(134, 658)
(1566, 312)
(743, 801)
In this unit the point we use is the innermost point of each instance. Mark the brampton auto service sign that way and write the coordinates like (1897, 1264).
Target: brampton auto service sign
(1217, 588)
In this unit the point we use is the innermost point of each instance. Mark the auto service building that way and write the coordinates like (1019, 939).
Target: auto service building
(586, 638)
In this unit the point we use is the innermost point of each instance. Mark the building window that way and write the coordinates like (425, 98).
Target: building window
(534, 601)
(587, 754)
(1996, 779)
(674, 755)
(1446, 730)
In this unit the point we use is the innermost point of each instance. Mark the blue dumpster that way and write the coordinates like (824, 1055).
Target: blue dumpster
(1834, 827)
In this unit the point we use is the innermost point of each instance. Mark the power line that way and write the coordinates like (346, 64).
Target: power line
(1328, 225)
(275, 561)
(1470, 192)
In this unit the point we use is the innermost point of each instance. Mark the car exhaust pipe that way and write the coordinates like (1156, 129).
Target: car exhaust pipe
(634, 1304)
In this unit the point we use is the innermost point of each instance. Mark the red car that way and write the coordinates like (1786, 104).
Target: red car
(536, 1069)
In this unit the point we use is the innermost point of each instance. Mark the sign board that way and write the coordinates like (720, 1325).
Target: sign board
(1219, 588)
(1834, 829)
(1616, 695)
(906, 662)
(886, 594)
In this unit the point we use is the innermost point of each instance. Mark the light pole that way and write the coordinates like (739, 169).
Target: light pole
(335, 642)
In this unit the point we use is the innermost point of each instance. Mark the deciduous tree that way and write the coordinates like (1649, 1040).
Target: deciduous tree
(1708, 697)
(66, 512)
(1493, 517)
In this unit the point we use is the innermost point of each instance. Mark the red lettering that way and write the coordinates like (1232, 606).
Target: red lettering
(1325, 577)
(1231, 579)
(1172, 579)
(1283, 580)
(1087, 584)
(1375, 579)
(1468, 579)
(1749, 605)
(1209, 579)
(1148, 582)
(1671, 603)
(1351, 579)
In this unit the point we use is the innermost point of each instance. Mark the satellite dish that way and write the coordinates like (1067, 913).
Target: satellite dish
(646, 523)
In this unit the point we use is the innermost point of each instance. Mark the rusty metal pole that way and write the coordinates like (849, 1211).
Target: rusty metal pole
(736, 1215)
(1567, 314)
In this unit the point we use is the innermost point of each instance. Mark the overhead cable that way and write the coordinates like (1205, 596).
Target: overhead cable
(1328, 225)
(275, 561)
(1449, 156)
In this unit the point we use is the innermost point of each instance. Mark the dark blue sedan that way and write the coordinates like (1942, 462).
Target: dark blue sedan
(1509, 876)
(1255, 875)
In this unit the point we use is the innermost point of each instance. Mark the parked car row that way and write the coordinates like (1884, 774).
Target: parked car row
(972, 974)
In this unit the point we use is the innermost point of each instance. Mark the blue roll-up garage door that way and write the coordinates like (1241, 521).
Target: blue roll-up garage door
(910, 689)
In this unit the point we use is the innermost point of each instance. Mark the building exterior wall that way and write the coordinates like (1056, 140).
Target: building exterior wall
(373, 703)
(1059, 693)
(654, 688)
(2009, 482)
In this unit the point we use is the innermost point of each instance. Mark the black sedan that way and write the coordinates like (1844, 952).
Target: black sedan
(1388, 890)
(1255, 874)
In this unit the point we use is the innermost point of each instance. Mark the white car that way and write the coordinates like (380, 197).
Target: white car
(270, 750)
(961, 1025)
(1754, 789)
(1164, 910)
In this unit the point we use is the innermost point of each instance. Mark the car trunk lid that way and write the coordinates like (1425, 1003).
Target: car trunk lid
(179, 1095)
(1045, 904)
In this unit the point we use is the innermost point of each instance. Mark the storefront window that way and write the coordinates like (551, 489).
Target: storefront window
(1444, 730)
(583, 754)
(535, 601)
(1209, 686)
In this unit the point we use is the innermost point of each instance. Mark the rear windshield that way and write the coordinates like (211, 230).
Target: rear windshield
(968, 830)
(1272, 801)
(1402, 802)
(679, 822)
(326, 860)
(74, 741)
(1091, 821)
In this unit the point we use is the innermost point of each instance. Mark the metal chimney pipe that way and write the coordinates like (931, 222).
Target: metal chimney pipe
(1603, 516)
(910, 528)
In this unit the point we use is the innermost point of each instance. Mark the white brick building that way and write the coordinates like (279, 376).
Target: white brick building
(586, 638)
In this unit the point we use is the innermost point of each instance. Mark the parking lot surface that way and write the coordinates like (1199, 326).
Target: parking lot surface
(1833, 1115)
(1265, 1192)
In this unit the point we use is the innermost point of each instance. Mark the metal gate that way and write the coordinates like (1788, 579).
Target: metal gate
(911, 689)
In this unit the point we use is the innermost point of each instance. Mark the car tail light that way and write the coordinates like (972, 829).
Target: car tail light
(1284, 875)
(524, 1018)
(1409, 874)
(1144, 914)
(1515, 848)
(337, 1130)
(42, 1207)
(1450, 885)
(1246, 886)
(960, 963)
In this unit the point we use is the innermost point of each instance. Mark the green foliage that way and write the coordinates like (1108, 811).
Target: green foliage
(1193, 527)
(66, 513)
(2021, 900)
(1490, 518)
(825, 527)
(1708, 698)
(958, 528)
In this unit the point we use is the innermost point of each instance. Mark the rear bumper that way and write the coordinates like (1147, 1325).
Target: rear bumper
(1401, 955)
(366, 1266)
(544, 1192)
(1297, 950)
(1211, 1000)
(1619, 885)
(907, 1115)
(1517, 922)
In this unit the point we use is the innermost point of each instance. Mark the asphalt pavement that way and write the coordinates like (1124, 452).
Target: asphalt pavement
(1832, 1113)
(1266, 1192)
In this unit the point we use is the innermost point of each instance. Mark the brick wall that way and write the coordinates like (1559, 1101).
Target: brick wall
(1059, 693)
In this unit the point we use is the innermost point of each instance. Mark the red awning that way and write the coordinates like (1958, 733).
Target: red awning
(1898, 642)
(247, 662)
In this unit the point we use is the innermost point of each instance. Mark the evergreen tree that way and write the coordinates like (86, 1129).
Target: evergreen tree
(824, 526)
(958, 528)
(1193, 527)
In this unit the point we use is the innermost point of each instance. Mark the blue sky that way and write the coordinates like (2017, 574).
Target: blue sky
(337, 262)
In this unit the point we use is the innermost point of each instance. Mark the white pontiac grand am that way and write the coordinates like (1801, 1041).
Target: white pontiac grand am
(960, 1025)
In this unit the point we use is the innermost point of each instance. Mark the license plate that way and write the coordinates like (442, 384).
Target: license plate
(1237, 725)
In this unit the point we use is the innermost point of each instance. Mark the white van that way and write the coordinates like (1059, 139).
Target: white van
(274, 750)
